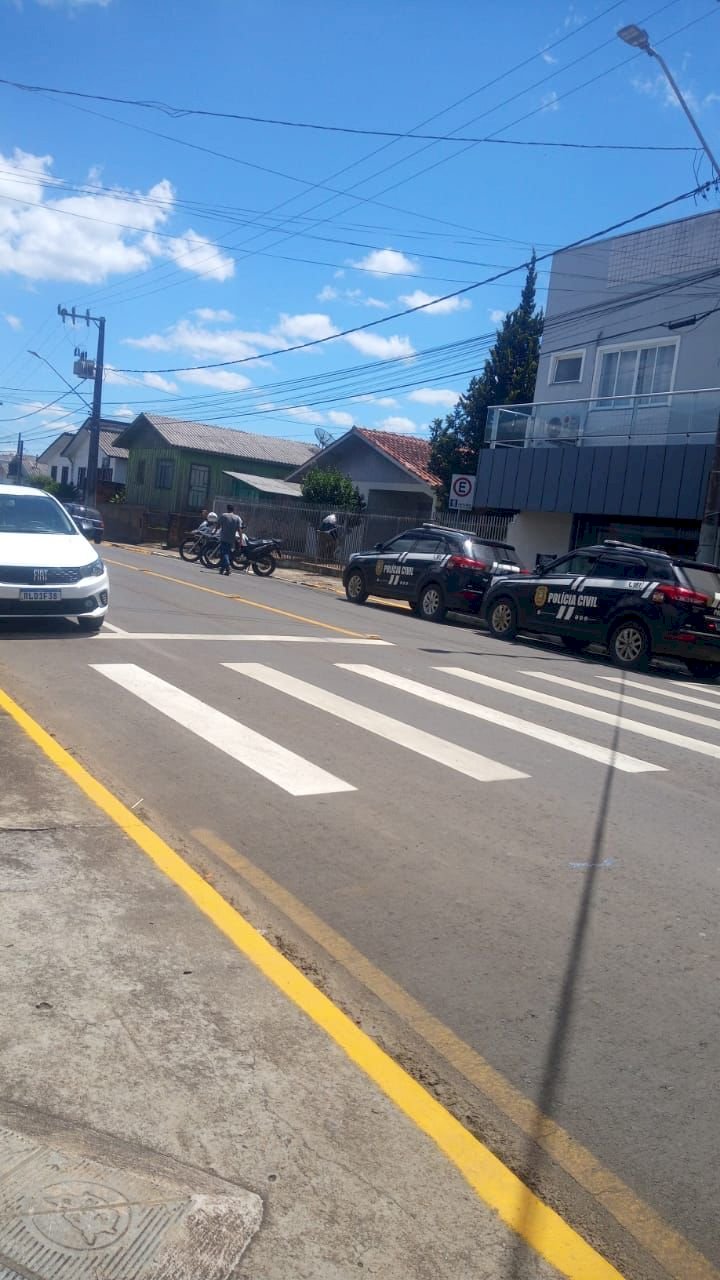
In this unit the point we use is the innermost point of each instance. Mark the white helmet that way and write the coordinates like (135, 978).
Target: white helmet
(212, 517)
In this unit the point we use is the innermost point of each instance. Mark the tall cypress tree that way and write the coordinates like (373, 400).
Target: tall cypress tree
(508, 377)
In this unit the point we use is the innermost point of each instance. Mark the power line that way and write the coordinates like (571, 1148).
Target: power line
(177, 112)
(397, 315)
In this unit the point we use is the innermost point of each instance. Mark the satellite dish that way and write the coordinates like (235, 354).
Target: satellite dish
(324, 437)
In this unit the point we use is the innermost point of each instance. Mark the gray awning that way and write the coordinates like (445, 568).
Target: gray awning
(266, 484)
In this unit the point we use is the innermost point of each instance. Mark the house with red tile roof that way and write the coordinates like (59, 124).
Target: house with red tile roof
(391, 471)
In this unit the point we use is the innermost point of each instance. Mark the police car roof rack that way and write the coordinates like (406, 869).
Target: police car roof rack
(467, 533)
(633, 546)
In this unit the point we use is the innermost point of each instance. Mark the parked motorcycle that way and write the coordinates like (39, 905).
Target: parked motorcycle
(199, 541)
(258, 554)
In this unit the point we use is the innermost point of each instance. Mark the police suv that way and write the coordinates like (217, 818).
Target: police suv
(433, 568)
(637, 602)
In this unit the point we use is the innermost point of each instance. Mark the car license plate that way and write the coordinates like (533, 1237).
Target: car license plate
(41, 595)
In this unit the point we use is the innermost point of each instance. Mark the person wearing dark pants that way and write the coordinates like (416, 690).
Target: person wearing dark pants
(230, 525)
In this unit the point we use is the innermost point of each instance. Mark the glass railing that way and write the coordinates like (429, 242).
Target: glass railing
(680, 417)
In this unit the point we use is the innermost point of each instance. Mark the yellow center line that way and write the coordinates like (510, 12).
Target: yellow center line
(256, 604)
(495, 1184)
(678, 1258)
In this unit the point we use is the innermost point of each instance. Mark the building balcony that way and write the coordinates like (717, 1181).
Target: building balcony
(678, 417)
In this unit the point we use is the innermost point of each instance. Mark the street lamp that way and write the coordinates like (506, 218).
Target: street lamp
(638, 38)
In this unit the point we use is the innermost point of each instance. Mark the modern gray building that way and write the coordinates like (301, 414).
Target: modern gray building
(620, 440)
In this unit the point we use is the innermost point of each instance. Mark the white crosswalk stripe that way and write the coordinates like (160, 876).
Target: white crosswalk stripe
(629, 700)
(543, 733)
(286, 769)
(478, 767)
(589, 713)
(663, 691)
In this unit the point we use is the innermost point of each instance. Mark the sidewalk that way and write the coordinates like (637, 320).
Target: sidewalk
(165, 1112)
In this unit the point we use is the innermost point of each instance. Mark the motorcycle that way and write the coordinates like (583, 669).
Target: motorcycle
(197, 543)
(258, 554)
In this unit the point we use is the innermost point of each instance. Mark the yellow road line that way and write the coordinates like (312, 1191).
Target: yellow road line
(542, 1228)
(678, 1258)
(256, 604)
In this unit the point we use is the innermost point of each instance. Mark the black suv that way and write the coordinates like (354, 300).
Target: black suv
(88, 520)
(637, 602)
(433, 568)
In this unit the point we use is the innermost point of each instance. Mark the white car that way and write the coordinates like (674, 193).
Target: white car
(47, 568)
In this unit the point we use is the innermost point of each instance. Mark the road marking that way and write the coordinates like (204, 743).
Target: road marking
(110, 626)
(680, 1261)
(604, 755)
(663, 692)
(704, 688)
(495, 1184)
(255, 604)
(628, 700)
(286, 769)
(589, 713)
(182, 635)
(425, 744)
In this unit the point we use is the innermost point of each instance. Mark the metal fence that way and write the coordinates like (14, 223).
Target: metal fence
(297, 524)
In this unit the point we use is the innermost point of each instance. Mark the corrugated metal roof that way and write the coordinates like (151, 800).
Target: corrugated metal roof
(202, 436)
(108, 446)
(265, 484)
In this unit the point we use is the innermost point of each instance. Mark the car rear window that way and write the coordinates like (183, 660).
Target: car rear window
(33, 513)
(706, 581)
(92, 514)
(489, 554)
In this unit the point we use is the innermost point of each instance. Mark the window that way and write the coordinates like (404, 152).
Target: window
(140, 471)
(430, 546)
(82, 474)
(645, 371)
(572, 566)
(53, 473)
(405, 542)
(623, 568)
(164, 473)
(64, 475)
(489, 553)
(197, 491)
(567, 366)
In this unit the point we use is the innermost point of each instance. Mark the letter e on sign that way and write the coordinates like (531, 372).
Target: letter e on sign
(462, 492)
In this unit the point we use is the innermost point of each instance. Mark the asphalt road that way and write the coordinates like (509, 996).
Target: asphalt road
(475, 821)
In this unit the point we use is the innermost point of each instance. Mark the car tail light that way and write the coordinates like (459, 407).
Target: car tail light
(677, 595)
(464, 562)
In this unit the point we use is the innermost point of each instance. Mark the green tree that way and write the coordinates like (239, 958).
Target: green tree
(330, 488)
(63, 492)
(508, 377)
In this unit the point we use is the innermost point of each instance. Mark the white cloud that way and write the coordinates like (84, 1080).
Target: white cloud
(549, 101)
(387, 402)
(355, 297)
(220, 379)
(419, 298)
(658, 87)
(304, 414)
(404, 426)
(573, 18)
(90, 237)
(154, 380)
(497, 315)
(547, 57)
(372, 344)
(340, 419)
(72, 4)
(207, 344)
(327, 294)
(124, 412)
(434, 395)
(158, 383)
(387, 262)
(209, 315)
(14, 321)
(306, 328)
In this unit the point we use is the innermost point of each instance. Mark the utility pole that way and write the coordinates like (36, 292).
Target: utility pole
(85, 368)
(19, 458)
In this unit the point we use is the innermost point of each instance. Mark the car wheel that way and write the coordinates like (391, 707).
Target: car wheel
(703, 670)
(90, 624)
(502, 620)
(355, 589)
(629, 646)
(431, 605)
(98, 539)
(574, 644)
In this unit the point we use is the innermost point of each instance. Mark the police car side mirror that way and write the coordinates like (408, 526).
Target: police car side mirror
(378, 546)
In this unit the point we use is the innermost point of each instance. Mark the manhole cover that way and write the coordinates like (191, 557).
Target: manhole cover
(74, 1217)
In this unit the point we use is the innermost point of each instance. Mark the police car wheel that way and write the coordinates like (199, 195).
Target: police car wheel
(629, 646)
(703, 670)
(355, 588)
(431, 605)
(503, 620)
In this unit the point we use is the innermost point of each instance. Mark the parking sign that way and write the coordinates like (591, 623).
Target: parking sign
(462, 493)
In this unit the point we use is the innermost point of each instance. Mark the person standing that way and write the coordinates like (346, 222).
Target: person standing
(230, 525)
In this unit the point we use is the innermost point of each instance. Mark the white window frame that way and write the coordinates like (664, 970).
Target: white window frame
(630, 402)
(566, 355)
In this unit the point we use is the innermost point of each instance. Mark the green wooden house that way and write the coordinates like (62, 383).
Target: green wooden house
(176, 466)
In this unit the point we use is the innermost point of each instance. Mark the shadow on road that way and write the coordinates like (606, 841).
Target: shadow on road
(522, 1262)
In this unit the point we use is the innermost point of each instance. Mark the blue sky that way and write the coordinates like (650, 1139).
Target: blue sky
(197, 258)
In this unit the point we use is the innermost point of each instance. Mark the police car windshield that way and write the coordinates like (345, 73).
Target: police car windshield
(33, 513)
(706, 581)
(486, 552)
